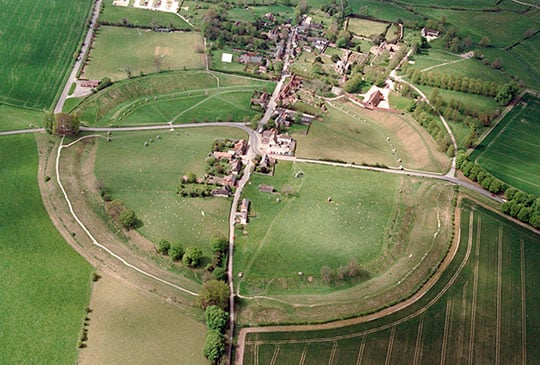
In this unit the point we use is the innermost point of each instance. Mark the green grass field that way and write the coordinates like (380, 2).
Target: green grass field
(13, 118)
(124, 317)
(502, 28)
(511, 151)
(383, 10)
(45, 284)
(443, 62)
(361, 136)
(35, 62)
(366, 219)
(170, 93)
(484, 309)
(145, 178)
(140, 17)
(248, 14)
(366, 28)
(117, 49)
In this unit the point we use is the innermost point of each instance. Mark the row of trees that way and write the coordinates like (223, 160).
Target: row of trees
(423, 114)
(520, 205)
(191, 256)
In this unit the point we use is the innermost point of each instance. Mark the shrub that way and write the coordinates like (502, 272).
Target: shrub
(176, 251)
(216, 318)
(192, 256)
(163, 246)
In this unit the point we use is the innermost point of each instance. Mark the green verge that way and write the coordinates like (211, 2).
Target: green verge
(511, 151)
(35, 62)
(45, 284)
(494, 268)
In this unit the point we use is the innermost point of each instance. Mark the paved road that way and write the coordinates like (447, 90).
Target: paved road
(73, 76)
(284, 74)
(22, 131)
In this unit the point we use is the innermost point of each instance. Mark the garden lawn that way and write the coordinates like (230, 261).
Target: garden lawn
(146, 178)
(483, 309)
(45, 284)
(118, 49)
(35, 62)
(127, 15)
(124, 317)
(511, 152)
(13, 118)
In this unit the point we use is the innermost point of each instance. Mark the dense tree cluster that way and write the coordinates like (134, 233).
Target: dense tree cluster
(423, 114)
(62, 124)
(121, 214)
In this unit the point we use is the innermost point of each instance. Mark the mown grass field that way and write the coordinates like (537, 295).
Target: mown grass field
(140, 17)
(13, 118)
(117, 49)
(361, 136)
(45, 284)
(387, 232)
(111, 105)
(35, 62)
(484, 309)
(366, 28)
(145, 178)
(124, 317)
(511, 151)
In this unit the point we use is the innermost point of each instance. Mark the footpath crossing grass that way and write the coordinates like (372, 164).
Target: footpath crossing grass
(117, 49)
(38, 44)
(171, 93)
(484, 309)
(45, 284)
(511, 151)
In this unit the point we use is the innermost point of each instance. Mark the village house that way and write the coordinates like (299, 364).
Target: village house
(236, 167)
(250, 59)
(430, 33)
(222, 155)
(262, 100)
(240, 147)
(242, 216)
(89, 83)
(277, 144)
(223, 191)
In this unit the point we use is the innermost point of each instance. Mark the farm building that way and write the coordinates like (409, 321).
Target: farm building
(266, 188)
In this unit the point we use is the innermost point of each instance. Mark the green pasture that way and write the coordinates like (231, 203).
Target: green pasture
(333, 215)
(365, 27)
(483, 309)
(146, 178)
(443, 62)
(361, 136)
(140, 17)
(462, 4)
(502, 28)
(35, 62)
(13, 118)
(219, 105)
(45, 284)
(521, 61)
(162, 90)
(250, 13)
(117, 50)
(383, 10)
(511, 151)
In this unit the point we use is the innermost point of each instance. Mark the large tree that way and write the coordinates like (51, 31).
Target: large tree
(216, 318)
(214, 292)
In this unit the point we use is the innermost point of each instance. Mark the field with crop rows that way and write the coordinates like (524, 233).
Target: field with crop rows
(35, 62)
(484, 309)
(511, 151)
